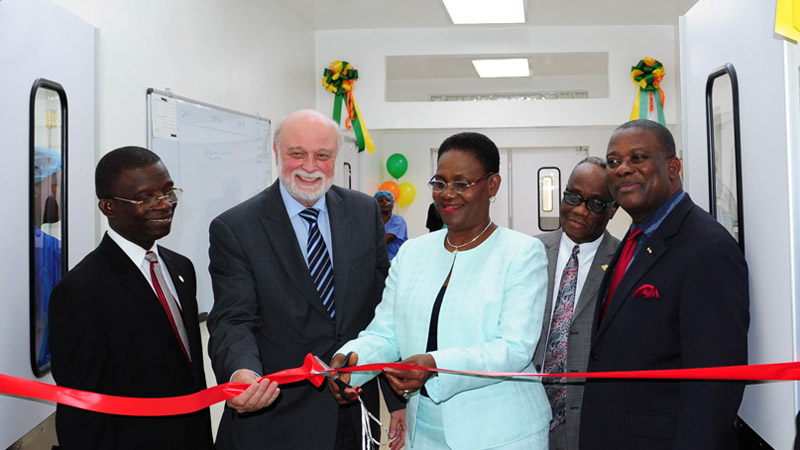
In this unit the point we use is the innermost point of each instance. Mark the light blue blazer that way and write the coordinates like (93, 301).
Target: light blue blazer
(489, 321)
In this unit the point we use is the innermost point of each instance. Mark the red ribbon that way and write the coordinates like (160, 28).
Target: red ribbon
(313, 371)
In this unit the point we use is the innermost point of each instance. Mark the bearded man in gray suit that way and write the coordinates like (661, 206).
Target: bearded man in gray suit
(298, 268)
(577, 256)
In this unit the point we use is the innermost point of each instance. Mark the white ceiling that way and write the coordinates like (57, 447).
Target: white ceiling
(460, 66)
(360, 14)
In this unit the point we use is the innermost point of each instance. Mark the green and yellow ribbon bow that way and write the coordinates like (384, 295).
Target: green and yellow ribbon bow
(339, 79)
(647, 75)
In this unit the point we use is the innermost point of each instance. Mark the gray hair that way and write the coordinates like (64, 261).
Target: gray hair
(600, 162)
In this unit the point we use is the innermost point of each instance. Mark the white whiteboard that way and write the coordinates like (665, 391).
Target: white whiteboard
(219, 157)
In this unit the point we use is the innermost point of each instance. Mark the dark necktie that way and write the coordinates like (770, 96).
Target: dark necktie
(319, 262)
(622, 265)
(169, 304)
(555, 360)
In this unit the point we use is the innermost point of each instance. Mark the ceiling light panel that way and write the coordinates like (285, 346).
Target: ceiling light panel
(502, 68)
(464, 12)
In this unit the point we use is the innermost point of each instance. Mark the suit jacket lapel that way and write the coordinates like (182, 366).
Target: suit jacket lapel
(596, 273)
(551, 246)
(281, 235)
(651, 251)
(340, 237)
(132, 280)
(188, 302)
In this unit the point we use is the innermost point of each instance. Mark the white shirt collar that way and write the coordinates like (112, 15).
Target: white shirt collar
(293, 207)
(134, 252)
(586, 248)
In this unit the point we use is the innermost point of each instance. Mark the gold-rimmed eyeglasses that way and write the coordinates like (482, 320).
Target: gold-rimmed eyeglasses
(171, 197)
(438, 186)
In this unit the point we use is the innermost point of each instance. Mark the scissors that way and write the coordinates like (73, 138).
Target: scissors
(339, 382)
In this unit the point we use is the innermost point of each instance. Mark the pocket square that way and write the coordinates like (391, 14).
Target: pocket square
(646, 291)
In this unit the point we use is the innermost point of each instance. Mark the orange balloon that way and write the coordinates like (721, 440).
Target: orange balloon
(392, 187)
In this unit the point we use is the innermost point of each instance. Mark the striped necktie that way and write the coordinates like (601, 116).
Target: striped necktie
(169, 304)
(319, 262)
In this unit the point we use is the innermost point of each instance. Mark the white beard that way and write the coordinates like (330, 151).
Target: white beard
(299, 192)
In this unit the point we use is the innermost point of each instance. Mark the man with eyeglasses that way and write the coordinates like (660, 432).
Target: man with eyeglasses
(674, 296)
(577, 257)
(124, 320)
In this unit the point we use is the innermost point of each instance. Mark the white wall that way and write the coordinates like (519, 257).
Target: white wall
(247, 55)
(416, 90)
(366, 50)
(741, 32)
(413, 128)
(416, 146)
(38, 40)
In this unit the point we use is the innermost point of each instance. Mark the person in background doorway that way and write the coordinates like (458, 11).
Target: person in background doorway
(124, 320)
(577, 257)
(434, 221)
(394, 225)
(675, 296)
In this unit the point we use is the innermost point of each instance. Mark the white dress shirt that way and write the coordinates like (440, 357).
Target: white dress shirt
(300, 225)
(585, 259)
(136, 254)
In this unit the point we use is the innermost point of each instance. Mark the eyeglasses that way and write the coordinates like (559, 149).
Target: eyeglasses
(594, 205)
(171, 197)
(438, 186)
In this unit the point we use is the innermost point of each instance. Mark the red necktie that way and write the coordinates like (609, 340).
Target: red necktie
(170, 305)
(622, 265)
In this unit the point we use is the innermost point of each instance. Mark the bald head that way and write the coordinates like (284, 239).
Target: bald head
(307, 119)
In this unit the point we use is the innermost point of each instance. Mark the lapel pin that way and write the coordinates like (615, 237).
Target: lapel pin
(648, 250)
(180, 277)
(604, 267)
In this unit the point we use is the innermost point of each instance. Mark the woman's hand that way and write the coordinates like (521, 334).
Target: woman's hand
(404, 382)
(350, 393)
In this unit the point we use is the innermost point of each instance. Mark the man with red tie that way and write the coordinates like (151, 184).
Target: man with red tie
(124, 320)
(674, 296)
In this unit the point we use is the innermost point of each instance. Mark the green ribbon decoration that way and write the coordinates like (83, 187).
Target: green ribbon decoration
(333, 84)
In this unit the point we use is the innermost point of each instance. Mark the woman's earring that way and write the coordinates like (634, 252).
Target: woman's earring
(491, 199)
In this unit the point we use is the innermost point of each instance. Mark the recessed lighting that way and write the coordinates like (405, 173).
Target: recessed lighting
(483, 11)
(499, 68)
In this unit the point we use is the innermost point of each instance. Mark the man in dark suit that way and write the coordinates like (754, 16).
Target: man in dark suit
(273, 258)
(572, 288)
(110, 328)
(674, 297)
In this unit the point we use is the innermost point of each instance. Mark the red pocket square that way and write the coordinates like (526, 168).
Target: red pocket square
(646, 291)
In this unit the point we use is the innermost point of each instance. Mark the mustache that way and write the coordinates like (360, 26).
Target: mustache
(303, 173)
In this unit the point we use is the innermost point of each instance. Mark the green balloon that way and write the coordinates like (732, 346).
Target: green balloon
(397, 165)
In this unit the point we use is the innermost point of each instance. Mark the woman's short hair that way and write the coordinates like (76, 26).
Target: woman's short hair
(476, 144)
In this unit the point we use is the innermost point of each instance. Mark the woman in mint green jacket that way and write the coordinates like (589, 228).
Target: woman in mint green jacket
(469, 297)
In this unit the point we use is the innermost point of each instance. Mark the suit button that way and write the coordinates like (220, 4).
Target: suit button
(538, 367)
(593, 356)
(338, 338)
